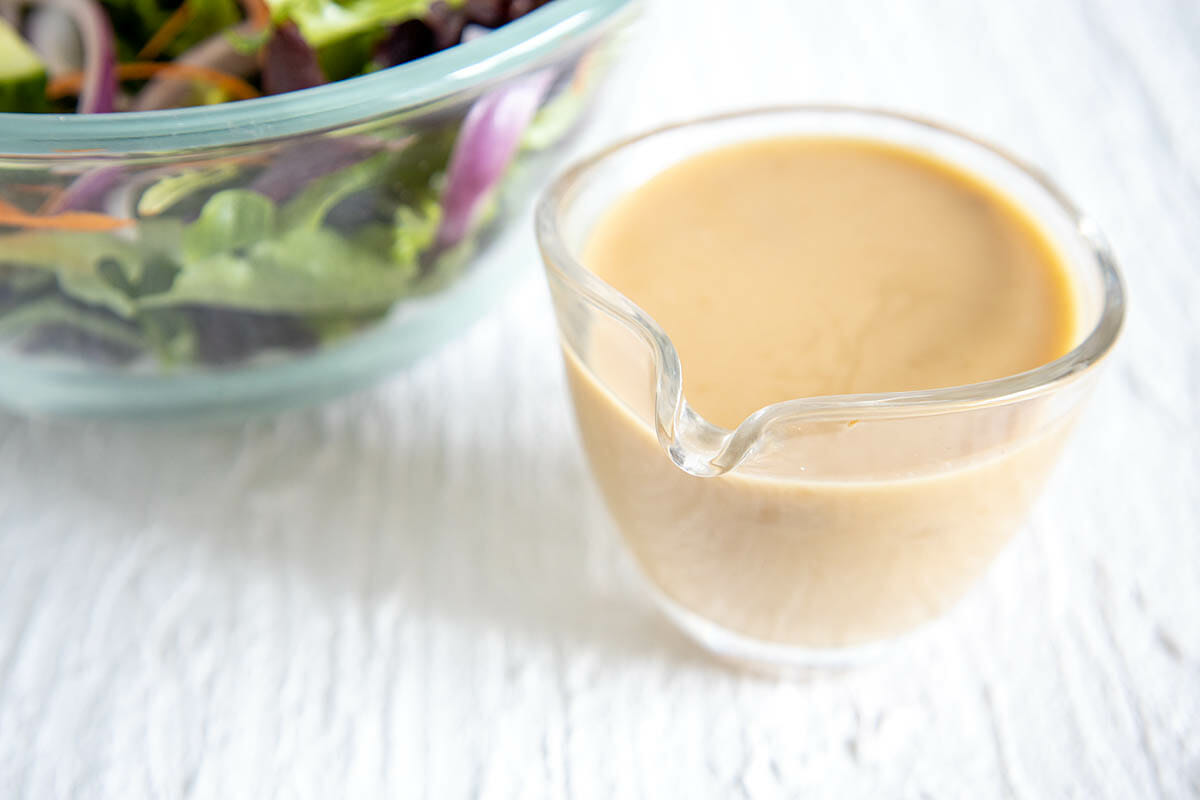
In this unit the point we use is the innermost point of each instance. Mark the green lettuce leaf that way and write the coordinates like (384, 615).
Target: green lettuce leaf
(22, 73)
(349, 56)
(309, 207)
(55, 311)
(248, 43)
(83, 262)
(554, 120)
(415, 232)
(323, 22)
(168, 191)
(303, 271)
(170, 334)
(230, 220)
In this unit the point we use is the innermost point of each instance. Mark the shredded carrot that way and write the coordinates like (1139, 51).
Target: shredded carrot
(35, 188)
(51, 198)
(258, 12)
(67, 221)
(71, 82)
(166, 33)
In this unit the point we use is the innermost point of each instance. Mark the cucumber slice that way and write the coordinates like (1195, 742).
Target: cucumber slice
(22, 73)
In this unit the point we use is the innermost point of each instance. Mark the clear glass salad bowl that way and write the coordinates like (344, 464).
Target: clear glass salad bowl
(219, 260)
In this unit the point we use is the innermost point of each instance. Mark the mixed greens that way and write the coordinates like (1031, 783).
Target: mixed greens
(125, 55)
(212, 258)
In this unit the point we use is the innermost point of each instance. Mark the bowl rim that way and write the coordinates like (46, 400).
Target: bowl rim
(705, 449)
(527, 41)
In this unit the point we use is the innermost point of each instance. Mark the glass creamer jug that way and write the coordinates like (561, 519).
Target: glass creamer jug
(819, 527)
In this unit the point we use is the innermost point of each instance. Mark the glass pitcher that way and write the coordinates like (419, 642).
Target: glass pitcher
(821, 527)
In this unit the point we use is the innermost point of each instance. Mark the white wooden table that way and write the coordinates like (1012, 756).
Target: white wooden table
(414, 592)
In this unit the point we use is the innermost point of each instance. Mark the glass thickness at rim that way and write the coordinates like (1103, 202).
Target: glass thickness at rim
(705, 449)
(518, 45)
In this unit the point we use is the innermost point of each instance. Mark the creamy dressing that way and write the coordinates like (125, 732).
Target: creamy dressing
(799, 267)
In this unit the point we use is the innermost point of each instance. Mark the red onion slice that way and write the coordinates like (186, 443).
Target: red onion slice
(295, 168)
(99, 90)
(486, 145)
(56, 39)
(87, 192)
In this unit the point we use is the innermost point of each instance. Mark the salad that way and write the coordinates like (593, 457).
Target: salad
(214, 258)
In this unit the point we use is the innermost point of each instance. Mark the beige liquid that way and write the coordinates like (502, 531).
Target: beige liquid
(798, 267)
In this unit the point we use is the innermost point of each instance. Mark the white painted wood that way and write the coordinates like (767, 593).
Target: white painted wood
(413, 592)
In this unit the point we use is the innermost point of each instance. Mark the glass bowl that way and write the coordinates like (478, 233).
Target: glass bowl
(819, 528)
(220, 260)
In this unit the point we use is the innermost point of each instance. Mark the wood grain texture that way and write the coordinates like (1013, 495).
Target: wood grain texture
(413, 592)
